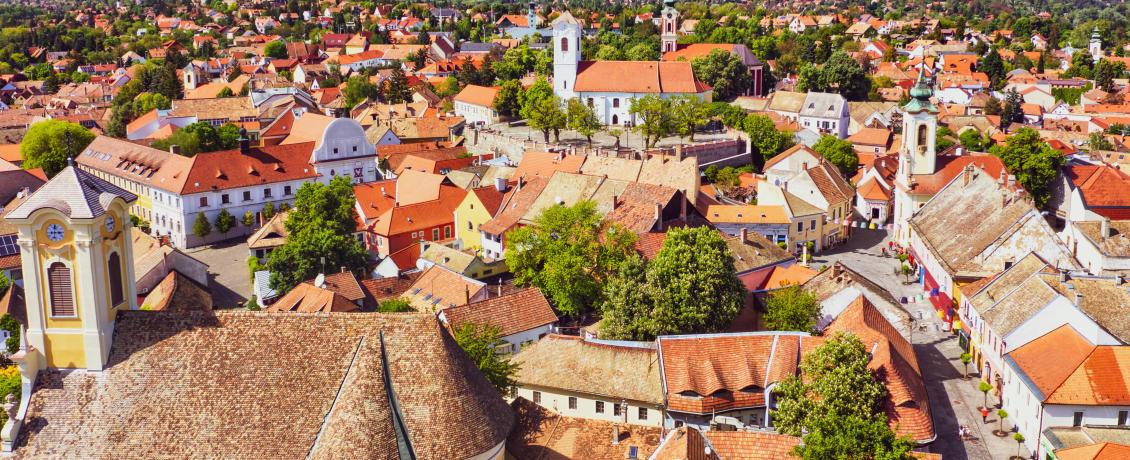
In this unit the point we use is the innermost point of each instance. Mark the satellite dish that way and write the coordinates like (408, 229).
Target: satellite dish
(320, 280)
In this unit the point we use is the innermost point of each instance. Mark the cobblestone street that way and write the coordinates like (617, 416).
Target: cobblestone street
(953, 401)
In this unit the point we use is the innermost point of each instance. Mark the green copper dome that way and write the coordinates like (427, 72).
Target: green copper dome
(920, 95)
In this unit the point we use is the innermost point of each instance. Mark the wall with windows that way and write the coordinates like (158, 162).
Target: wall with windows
(593, 407)
(238, 201)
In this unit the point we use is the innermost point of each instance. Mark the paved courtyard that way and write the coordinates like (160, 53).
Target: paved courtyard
(953, 401)
(227, 272)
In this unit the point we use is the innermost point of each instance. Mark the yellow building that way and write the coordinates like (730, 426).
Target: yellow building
(476, 208)
(77, 258)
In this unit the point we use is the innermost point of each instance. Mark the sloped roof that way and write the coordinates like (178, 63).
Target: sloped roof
(184, 386)
(637, 77)
(482, 96)
(1051, 358)
(73, 192)
(607, 369)
(513, 313)
(1098, 451)
(1100, 380)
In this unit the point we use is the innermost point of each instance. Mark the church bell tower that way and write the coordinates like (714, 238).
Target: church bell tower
(668, 38)
(919, 131)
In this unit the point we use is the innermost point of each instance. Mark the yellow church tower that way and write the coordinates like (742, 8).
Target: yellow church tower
(77, 260)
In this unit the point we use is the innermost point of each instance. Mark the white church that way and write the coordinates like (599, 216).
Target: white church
(610, 86)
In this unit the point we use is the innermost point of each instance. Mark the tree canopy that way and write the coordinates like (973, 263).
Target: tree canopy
(49, 143)
(838, 152)
(725, 72)
(568, 253)
(201, 137)
(690, 287)
(320, 226)
(791, 309)
(1035, 163)
(835, 405)
(480, 343)
(840, 74)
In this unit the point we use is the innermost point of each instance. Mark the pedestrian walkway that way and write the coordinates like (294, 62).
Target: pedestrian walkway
(953, 401)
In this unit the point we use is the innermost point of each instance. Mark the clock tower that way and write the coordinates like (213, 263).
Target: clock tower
(77, 259)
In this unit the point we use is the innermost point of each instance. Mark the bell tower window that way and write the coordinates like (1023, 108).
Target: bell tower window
(59, 285)
(922, 136)
(564, 43)
(114, 267)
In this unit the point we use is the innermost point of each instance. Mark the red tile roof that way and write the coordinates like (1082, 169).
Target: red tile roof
(1100, 451)
(422, 215)
(637, 77)
(948, 167)
(260, 165)
(1100, 380)
(1051, 358)
(513, 313)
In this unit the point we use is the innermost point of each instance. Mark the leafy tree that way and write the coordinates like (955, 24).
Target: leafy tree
(224, 221)
(146, 102)
(688, 113)
(791, 309)
(201, 227)
(993, 106)
(248, 219)
(225, 92)
(1001, 415)
(840, 74)
(542, 110)
(397, 305)
(838, 152)
(689, 287)
(725, 72)
(582, 119)
(358, 89)
(993, 66)
(1035, 164)
(480, 342)
(973, 140)
(1011, 111)
(984, 387)
(396, 88)
(508, 100)
(655, 117)
(765, 137)
(201, 137)
(836, 405)
(320, 227)
(1105, 73)
(1019, 438)
(49, 143)
(568, 253)
(268, 210)
(275, 49)
(1099, 142)
(966, 358)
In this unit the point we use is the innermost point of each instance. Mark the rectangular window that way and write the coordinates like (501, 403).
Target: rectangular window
(203, 202)
(800, 226)
(600, 407)
(643, 413)
(813, 226)
(225, 199)
(435, 234)
(1122, 417)
(616, 102)
(537, 397)
(247, 195)
(413, 235)
(1077, 420)
(616, 409)
(286, 190)
(266, 193)
(447, 231)
(573, 403)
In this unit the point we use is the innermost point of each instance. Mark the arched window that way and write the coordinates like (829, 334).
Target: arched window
(59, 286)
(564, 43)
(615, 119)
(114, 267)
(922, 135)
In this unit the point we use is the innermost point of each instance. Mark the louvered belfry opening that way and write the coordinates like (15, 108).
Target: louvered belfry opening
(62, 297)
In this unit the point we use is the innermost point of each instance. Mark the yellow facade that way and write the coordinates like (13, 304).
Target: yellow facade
(65, 350)
(469, 215)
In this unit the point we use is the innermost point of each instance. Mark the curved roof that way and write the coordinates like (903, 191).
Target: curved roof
(73, 192)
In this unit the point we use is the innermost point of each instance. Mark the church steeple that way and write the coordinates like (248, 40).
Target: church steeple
(919, 130)
(669, 37)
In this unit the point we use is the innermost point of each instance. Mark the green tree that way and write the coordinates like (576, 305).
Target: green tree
(1098, 141)
(655, 117)
(201, 137)
(543, 111)
(1001, 415)
(224, 221)
(508, 100)
(358, 89)
(582, 119)
(397, 305)
(688, 113)
(725, 72)
(836, 405)
(1105, 73)
(993, 66)
(49, 143)
(973, 140)
(201, 227)
(1019, 438)
(1035, 164)
(689, 287)
(984, 387)
(396, 88)
(765, 137)
(275, 49)
(642, 52)
(248, 219)
(320, 235)
(791, 309)
(1011, 111)
(966, 358)
(838, 152)
(568, 253)
(480, 342)
(840, 74)
(225, 92)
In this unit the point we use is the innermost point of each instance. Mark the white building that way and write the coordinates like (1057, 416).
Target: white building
(825, 113)
(610, 86)
(476, 105)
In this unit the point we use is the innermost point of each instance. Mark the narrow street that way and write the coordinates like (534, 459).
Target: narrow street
(953, 401)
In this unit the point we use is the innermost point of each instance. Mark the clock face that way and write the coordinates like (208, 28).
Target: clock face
(110, 223)
(55, 232)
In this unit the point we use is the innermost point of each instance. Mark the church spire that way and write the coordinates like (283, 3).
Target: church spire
(921, 92)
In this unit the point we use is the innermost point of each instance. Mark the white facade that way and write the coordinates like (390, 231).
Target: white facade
(566, 55)
(825, 113)
(593, 407)
(344, 150)
(476, 114)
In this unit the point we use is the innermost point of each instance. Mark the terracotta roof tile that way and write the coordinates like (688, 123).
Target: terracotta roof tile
(516, 312)
(1101, 380)
(260, 165)
(544, 164)
(381, 289)
(1051, 358)
(477, 95)
(540, 433)
(752, 445)
(1099, 451)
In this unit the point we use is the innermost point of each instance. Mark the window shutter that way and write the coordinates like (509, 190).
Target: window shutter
(62, 299)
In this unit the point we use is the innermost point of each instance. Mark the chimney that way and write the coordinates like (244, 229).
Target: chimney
(804, 166)
(466, 295)
(1002, 179)
(383, 192)
(614, 202)
(174, 149)
(1104, 228)
(836, 270)
(745, 235)
(1063, 276)
(966, 175)
(1078, 297)
(679, 152)
(244, 142)
(520, 182)
(659, 216)
(500, 184)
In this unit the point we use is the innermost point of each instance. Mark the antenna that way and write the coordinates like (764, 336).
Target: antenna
(320, 280)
